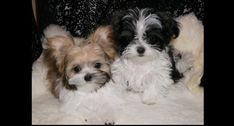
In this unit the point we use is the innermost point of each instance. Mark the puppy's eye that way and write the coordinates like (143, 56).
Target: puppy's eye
(153, 39)
(77, 69)
(126, 36)
(97, 65)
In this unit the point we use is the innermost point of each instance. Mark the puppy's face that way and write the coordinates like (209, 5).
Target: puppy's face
(143, 34)
(87, 65)
(82, 64)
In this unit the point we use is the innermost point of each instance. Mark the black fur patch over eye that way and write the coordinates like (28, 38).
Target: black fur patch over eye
(77, 69)
(126, 36)
(97, 65)
(153, 38)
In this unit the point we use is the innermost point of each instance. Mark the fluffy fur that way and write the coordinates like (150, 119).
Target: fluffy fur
(191, 44)
(180, 107)
(146, 63)
(75, 63)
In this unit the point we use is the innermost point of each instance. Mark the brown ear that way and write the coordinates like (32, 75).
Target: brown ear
(56, 49)
(103, 37)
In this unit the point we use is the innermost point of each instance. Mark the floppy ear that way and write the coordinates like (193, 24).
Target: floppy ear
(116, 23)
(55, 50)
(103, 36)
(170, 26)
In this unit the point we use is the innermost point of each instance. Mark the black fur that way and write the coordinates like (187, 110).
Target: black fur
(124, 32)
(170, 28)
(175, 74)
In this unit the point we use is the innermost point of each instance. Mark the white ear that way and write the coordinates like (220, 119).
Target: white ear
(52, 31)
(55, 30)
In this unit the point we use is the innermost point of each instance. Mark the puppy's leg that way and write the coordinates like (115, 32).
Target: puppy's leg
(109, 123)
(194, 81)
(192, 69)
(149, 97)
(184, 60)
(153, 94)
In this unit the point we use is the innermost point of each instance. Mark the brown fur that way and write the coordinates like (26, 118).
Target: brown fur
(104, 37)
(54, 56)
(61, 53)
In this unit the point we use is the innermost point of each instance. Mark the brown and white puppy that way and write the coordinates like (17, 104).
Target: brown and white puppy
(78, 63)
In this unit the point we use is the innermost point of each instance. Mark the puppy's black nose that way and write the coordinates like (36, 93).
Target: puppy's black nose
(140, 50)
(87, 77)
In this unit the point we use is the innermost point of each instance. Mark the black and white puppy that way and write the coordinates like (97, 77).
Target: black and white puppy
(146, 64)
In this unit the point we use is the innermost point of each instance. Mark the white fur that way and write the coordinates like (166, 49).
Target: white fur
(112, 103)
(143, 23)
(85, 86)
(148, 74)
(39, 81)
(97, 107)
(152, 79)
(191, 43)
(54, 30)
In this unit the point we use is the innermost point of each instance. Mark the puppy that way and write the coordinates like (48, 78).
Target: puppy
(147, 63)
(191, 40)
(77, 63)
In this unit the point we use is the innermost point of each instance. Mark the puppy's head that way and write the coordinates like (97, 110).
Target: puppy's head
(143, 34)
(87, 65)
(84, 67)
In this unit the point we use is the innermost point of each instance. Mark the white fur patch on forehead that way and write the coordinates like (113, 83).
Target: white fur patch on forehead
(149, 18)
(132, 13)
(146, 19)
(153, 19)
(142, 19)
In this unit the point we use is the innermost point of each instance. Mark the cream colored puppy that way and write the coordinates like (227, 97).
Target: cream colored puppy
(191, 40)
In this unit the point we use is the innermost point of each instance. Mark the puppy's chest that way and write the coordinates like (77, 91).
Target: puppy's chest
(138, 77)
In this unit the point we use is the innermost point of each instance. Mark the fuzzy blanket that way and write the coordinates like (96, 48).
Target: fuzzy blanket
(111, 105)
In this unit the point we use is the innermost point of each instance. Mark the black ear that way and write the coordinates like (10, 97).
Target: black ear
(170, 26)
(116, 23)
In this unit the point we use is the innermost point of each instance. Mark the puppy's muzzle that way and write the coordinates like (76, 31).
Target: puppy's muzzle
(140, 50)
(88, 77)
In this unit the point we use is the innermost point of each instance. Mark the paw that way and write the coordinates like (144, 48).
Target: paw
(149, 100)
(185, 63)
(109, 123)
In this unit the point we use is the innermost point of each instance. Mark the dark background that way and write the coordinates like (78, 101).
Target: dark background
(82, 16)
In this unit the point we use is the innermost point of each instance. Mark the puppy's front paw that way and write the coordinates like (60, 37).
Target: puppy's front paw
(109, 123)
(149, 99)
(185, 63)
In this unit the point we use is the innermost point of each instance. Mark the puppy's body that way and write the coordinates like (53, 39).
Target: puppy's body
(146, 63)
(77, 63)
(151, 79)
(191, 40)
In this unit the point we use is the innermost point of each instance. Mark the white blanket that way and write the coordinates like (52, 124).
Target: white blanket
(110, 104)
